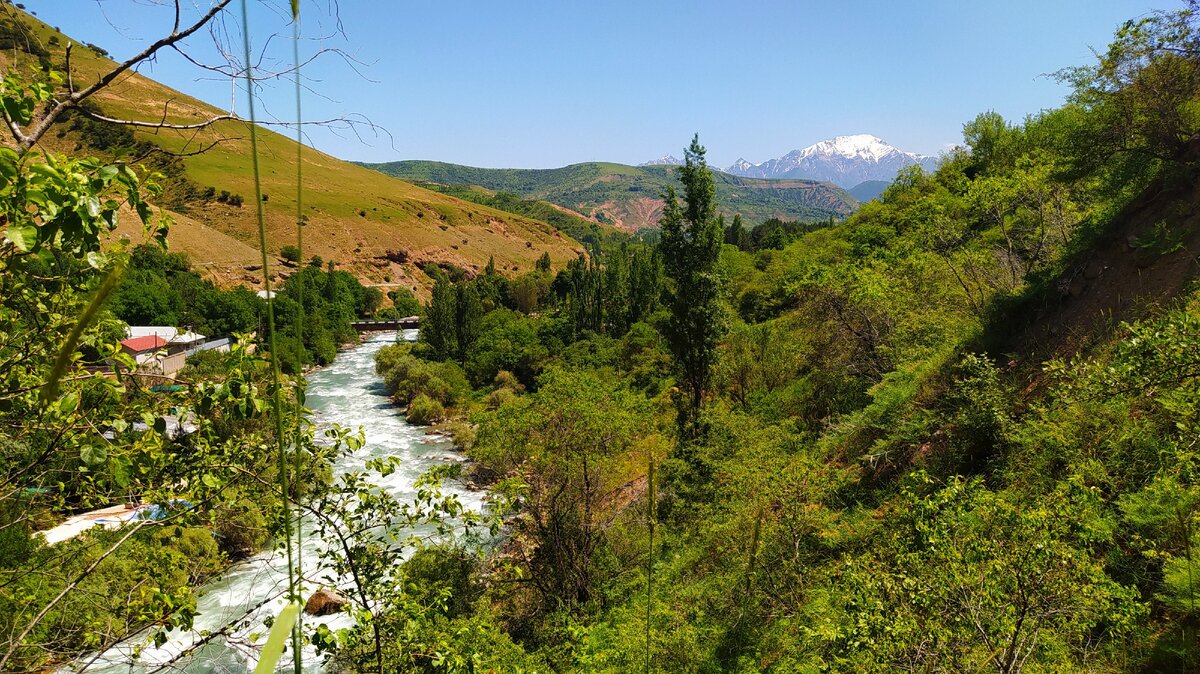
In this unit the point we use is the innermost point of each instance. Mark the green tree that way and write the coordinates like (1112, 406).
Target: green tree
(439, 329)
(290, 253)
(468, 312)
(645, 283)
(691, 247)
(736, 234)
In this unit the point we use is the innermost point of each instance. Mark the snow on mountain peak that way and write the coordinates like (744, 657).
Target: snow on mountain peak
(665, 160)
(844, 160)
(858, 146)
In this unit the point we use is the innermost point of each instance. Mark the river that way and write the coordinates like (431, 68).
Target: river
(349, 393)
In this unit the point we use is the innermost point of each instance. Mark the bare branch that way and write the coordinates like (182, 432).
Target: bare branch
(161, 124)
(70, 79)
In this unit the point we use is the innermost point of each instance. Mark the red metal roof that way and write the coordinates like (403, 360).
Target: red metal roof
(147, 343)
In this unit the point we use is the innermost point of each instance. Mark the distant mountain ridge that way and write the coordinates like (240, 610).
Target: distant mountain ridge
(665, 160)
(846, 161)
(630, 196)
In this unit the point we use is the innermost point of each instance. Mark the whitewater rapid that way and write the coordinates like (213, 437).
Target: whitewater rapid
(349, 393)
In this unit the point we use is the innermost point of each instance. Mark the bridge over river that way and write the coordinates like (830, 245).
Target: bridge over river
(406, 323)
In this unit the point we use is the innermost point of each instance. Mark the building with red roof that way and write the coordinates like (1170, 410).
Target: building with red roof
(139, 345)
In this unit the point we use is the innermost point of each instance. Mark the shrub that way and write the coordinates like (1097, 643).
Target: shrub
(199, 549)
(407, 377)
(406, 303)
(499, 397)
(205, 363)
(506, 379)
(240, 528)
(290, 253)
(424, 410)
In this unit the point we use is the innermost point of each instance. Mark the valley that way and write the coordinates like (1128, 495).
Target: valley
(850, 409)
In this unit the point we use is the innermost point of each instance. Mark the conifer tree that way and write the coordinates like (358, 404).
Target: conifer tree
(543, 263)
(691, 247)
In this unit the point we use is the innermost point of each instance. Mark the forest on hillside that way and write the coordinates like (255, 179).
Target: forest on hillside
(954, 432)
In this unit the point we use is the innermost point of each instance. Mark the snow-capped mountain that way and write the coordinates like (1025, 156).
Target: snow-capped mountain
(665, 160)
(845, 161)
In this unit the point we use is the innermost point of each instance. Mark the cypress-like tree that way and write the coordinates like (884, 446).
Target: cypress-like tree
(468, 316)
(645, 283)
(691, 247)
(736, 234)
(439, 329)
(614, 293)
(543, 263)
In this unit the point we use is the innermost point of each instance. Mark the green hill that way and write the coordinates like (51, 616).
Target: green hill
(869, 189)
(379, 228)
(628, 196)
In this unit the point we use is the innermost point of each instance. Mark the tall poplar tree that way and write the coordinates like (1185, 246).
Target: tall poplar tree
(440, 327)
(691, 247)
(736, 234)
(468, 315)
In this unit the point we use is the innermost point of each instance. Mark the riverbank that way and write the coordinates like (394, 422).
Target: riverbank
(237, 602)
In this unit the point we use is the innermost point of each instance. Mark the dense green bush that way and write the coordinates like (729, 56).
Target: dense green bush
(423, 410)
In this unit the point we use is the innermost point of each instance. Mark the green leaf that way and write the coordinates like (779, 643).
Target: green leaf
(280, 631)
(24, 238)
(50, 389)
(93, 455)
(119, 467)
(8, 165)
(68, 403)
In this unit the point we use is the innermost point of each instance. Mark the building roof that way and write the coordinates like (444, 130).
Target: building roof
(170, 334)
(165, 331)
(146, 343)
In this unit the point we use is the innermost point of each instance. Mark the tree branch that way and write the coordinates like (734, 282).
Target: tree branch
(65, 591)
(74, 98)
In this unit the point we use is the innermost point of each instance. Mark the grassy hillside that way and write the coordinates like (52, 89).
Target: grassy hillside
(563, 219)
(869, 189)
(381, 228)
(628, 196)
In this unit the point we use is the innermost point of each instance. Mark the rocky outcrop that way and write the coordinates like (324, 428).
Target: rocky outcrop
(325, 602)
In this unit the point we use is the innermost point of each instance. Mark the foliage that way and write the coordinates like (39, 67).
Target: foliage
(691, 247)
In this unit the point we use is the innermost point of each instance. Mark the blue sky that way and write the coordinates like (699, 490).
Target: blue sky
(543, 84)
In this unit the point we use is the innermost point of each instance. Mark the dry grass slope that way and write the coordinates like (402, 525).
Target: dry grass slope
(357, 217)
